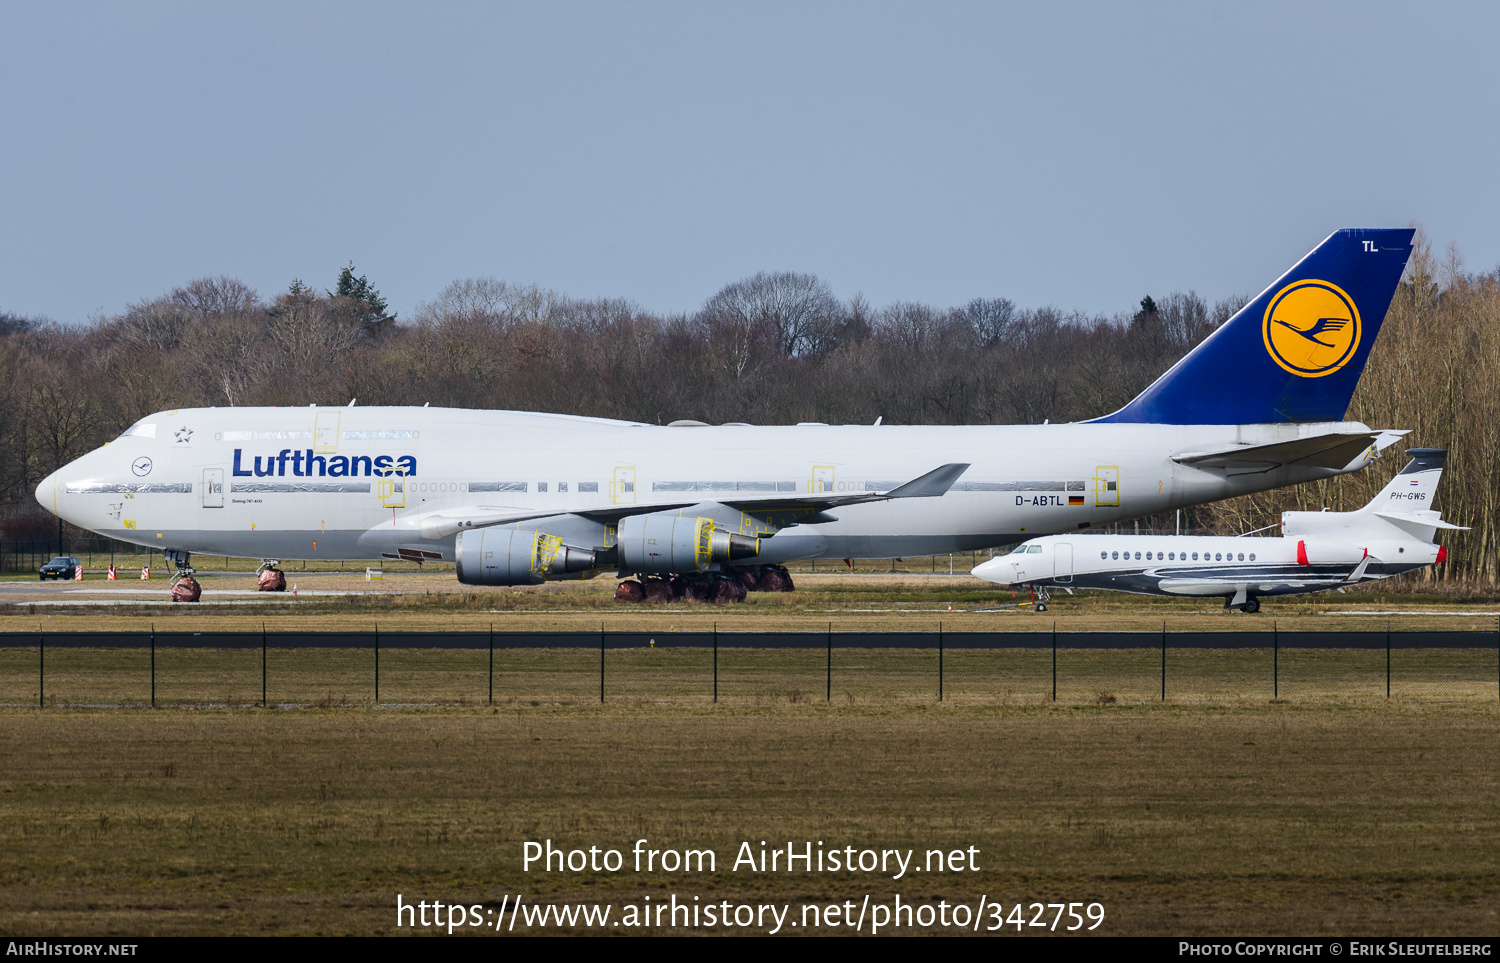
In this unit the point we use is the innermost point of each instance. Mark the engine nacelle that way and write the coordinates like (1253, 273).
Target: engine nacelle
(666, 542)
(491, 556)
(1323, 551)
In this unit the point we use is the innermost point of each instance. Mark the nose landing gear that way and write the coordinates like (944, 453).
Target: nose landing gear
(185, 588)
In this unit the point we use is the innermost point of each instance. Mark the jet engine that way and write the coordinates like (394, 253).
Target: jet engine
(666, 542)
(492, 556)
(1323, 551)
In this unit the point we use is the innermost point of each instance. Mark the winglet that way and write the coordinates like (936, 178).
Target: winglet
(934, 483)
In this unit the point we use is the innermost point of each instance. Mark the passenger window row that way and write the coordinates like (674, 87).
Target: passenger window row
(1173, 556)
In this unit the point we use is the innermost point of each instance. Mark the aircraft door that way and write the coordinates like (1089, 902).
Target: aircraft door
(1063, 562)
(213, 488)
(821, 481)
(326, 432)
(622, 486)
(1106, 485)
(391, 488)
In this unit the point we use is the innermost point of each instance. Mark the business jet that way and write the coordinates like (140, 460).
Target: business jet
(517, 498)
(1315, 552)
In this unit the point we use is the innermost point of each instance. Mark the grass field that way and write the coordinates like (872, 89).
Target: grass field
(1256, 818)
(1328, 810)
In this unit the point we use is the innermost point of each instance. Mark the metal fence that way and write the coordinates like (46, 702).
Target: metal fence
(490, 668)
(29, 555)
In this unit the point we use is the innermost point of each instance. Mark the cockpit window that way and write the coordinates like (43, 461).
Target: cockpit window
(1019, 550)
(1034, 550)
(140, 429)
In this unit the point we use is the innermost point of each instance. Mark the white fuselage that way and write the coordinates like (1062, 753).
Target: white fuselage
(1205, 565)
(359, 483)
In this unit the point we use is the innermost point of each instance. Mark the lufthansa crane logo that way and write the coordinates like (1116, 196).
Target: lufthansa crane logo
(1311, 328)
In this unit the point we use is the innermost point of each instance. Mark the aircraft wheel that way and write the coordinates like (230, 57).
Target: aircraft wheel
(1252, 605)
(1041, 606)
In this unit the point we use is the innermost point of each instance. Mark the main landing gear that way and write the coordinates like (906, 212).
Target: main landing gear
(269, 576)
(730, 586)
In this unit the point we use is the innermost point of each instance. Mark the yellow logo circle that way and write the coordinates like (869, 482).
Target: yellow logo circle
(1311, 328)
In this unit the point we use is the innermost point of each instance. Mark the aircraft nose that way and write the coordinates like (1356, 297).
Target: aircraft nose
(46, 493)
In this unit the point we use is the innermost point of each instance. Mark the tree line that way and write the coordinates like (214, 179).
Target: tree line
(776, 348)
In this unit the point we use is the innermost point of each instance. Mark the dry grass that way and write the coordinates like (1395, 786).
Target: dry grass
(686, 676)
(1256, 818)
(870, 601)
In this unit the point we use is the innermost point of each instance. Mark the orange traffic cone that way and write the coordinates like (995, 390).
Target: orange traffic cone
(78, 574)
(145, 573)
(111, 575)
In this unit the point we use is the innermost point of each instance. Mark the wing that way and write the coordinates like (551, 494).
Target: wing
(776, 510)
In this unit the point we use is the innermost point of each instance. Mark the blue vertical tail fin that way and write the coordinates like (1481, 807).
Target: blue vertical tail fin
(1296, 351)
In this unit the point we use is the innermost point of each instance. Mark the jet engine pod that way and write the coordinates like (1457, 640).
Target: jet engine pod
(665, 542)
(1323, 551)
(493, 556)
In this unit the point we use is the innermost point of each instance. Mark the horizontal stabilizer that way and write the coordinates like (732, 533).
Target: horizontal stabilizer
(1422, 520)
(1333, 451)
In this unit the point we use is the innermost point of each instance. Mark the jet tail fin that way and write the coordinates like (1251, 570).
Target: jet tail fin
(1296, 351)
(1407, 501)
(1412, 489)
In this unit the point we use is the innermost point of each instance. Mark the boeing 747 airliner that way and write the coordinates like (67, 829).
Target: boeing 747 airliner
(515, 498)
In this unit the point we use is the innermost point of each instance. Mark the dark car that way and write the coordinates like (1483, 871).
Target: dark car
(61, 567)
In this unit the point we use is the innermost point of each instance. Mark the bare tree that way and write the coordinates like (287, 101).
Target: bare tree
(798, 310)
(491, 300)
(989, 317)
(216, 296)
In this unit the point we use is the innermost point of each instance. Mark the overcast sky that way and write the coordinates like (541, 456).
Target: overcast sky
(1081, 155)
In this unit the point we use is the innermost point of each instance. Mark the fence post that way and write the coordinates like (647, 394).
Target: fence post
(492, 663)
(153, 665)
(41, 668)
(828, 693)
(1164, 660)
(601, 663)
(1054, 660)
(716, 662)
(1387, 656)
(377, 663)
(940, 660)
(1275, 661)
(263, 665)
